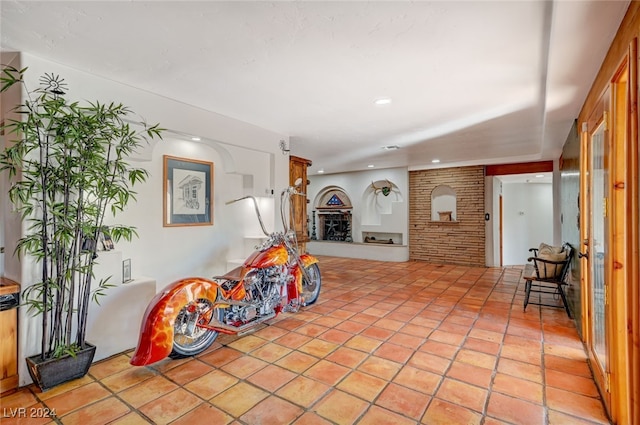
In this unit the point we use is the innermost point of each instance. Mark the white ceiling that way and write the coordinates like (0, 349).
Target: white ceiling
(473, 82)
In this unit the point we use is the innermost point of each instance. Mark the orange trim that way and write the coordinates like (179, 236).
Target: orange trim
(519, 168)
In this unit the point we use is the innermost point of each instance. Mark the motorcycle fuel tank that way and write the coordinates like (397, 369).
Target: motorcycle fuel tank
(273, 256)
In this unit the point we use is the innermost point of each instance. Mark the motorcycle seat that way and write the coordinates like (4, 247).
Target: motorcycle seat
(235, 274)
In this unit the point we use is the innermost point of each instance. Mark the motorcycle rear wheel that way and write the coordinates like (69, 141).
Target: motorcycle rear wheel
(188, 342)
(311, 288)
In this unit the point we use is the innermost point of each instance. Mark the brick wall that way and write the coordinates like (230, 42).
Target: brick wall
(459, 242)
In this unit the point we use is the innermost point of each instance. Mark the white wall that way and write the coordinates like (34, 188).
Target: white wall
(527, 219)
(242, 154)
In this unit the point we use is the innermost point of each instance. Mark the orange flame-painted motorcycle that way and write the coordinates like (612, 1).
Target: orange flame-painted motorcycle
(187, 316)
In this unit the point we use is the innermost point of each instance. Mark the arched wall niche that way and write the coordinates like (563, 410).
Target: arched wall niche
(443, 203)
(334, 218)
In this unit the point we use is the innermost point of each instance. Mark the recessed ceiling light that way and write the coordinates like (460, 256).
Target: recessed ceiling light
(539, 176)
(195, 138)
(382, 101)
(435, 161)
(320, 171)
(370, 166)
(391, 147)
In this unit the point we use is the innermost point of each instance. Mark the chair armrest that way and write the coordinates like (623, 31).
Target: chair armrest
(536, 259)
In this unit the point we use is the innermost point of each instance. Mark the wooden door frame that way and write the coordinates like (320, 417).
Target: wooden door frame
(621, 117)
(633, 276)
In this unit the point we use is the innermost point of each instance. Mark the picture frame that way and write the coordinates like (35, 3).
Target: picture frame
(126, 270)
(187, 192)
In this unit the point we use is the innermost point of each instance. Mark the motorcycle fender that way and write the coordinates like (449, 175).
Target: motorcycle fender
(274, 256)
(306, 260)
(156, 333)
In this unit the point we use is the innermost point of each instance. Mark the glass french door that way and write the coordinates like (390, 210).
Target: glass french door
(598, 177)
(596, 245)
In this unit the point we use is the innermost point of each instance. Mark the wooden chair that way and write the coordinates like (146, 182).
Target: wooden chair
(548, 276)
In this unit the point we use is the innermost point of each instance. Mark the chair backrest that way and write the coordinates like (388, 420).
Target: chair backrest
(566, 247)
(552, 272)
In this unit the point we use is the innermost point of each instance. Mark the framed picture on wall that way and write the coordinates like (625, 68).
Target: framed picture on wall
(187, 192)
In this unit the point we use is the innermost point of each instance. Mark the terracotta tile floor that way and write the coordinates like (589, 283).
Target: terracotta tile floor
(387, 343)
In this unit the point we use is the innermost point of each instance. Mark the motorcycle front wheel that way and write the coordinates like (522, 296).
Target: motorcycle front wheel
(311, 287)
(188, 338)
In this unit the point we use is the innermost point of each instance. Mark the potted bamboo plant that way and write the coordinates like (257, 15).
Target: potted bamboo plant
(68, 168)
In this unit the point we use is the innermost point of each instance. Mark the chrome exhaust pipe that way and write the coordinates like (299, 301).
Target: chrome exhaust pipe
(216, 325)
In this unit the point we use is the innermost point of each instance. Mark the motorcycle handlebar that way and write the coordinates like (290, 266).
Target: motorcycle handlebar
(291, 190)
(288, 192)
(255, 204)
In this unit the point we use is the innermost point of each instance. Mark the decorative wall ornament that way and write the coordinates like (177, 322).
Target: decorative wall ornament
(333, 198)
(335, 201)
(386, 190)
(53, 84)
